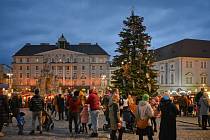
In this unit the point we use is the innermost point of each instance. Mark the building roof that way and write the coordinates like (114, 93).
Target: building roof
(87, 48)
(184, 48)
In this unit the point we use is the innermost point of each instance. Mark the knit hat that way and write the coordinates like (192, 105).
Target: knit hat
(145, 97)
(166, 98)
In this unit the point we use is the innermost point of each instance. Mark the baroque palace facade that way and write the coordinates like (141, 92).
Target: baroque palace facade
(64, 65)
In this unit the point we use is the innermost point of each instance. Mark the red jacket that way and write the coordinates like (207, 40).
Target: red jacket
(75, 104)
(94, 101)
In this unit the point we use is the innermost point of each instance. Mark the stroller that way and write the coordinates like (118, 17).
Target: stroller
(190, 110)
(47, 122)
(128, 119)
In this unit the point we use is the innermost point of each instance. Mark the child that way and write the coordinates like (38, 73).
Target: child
(20, 122)
(84, 117)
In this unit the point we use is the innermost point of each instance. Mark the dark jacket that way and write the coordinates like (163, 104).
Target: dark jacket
(4, 109)
(60, 103)
(36, 103)
(15, 106)
(168, 120)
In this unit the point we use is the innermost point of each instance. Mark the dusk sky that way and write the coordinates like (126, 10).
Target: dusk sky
(43, 21)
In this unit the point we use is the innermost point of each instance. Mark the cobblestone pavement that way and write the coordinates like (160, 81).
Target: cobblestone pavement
(185, 131)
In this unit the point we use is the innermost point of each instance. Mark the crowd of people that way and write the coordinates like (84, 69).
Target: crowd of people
(121, 112)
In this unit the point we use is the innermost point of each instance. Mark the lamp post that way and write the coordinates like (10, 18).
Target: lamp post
(10, 80)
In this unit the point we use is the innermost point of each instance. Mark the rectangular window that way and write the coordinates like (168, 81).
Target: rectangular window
(67, 68)
(21, 60)
(203, 80)
(28, 76)
(21, 67)
(37, 67)
(93, 75)
(53, 67)
(27, 60)
(74, 76)
(21, 75)
(83, 67)
(188, 80)
(93, 67)
(27, 68)
(190, 65)
(93, 59)
(60, 68)
(101, 67)
(75, 67)
(161, 79)
(172, 78)
(83, 59)
(187, 64)
(203, 64)
(36, 75)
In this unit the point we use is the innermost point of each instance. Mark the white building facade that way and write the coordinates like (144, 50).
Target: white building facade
(184, 65)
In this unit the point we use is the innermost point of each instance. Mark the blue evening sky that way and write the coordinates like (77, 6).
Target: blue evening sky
(43, 21)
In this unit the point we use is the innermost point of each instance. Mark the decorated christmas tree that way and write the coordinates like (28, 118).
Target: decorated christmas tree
(134, 59)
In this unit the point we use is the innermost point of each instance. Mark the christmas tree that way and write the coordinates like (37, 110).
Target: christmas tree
(134, 59)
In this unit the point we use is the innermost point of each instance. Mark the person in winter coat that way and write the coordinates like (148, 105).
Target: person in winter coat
(75, 106)
(204, 109)
(84, 115)
(60, 104)
(20, 122)
(14, 105)
(168, 119)
(115, 120)
(144, 112)
(197, 99)
(94, 101)
(36, 106)
(4, 111)
(154, 106)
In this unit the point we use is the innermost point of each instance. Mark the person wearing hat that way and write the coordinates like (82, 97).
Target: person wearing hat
(168, 119)
(4, 111)
(36, 106)
(143, 114)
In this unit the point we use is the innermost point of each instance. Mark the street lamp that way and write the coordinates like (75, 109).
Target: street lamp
(10, 80)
